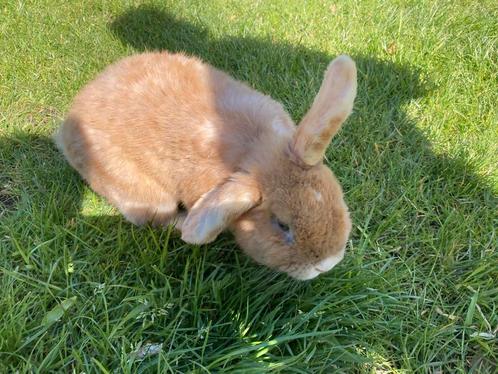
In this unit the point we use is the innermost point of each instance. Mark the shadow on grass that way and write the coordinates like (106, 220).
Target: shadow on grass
(403, 197)
(380, 154)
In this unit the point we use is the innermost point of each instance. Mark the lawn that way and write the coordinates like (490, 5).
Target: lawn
(82, 290)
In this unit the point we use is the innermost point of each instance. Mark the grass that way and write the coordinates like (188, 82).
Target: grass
(82, 290)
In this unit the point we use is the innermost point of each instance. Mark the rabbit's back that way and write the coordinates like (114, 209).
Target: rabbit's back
(162, 122)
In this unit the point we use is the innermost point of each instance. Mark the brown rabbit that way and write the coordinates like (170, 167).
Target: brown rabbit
(158, 132)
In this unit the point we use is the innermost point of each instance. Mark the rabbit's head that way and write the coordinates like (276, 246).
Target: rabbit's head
(287, 210)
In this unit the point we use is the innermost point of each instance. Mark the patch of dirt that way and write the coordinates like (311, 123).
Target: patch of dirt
(8, 200)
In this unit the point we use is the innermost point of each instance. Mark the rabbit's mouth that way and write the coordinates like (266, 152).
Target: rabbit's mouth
(310, 272)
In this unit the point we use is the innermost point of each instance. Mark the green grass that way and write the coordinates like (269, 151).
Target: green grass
(81, 289)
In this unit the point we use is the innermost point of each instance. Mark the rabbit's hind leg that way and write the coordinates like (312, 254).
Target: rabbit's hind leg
(162, 212)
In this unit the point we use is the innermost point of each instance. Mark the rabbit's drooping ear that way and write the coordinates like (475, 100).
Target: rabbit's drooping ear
(217, 208)
(331, 107)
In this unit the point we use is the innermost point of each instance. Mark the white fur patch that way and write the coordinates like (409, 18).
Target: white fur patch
(318, 195)
(322, 267)
(208, 130)
(329, 262)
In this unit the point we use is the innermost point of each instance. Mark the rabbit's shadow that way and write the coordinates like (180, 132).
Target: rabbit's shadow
(379, 143)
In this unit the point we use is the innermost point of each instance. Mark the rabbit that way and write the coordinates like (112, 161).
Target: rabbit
(169, 139)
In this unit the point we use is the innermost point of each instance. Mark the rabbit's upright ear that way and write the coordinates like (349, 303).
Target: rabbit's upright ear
(330, 109)
(217, 208)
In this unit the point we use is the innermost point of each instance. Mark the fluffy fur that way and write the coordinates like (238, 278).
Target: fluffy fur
(157, 132)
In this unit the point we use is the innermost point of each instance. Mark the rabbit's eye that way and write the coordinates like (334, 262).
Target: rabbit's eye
(279, 224)
(284, 228)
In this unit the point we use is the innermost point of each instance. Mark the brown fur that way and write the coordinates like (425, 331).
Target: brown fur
(159, 130)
